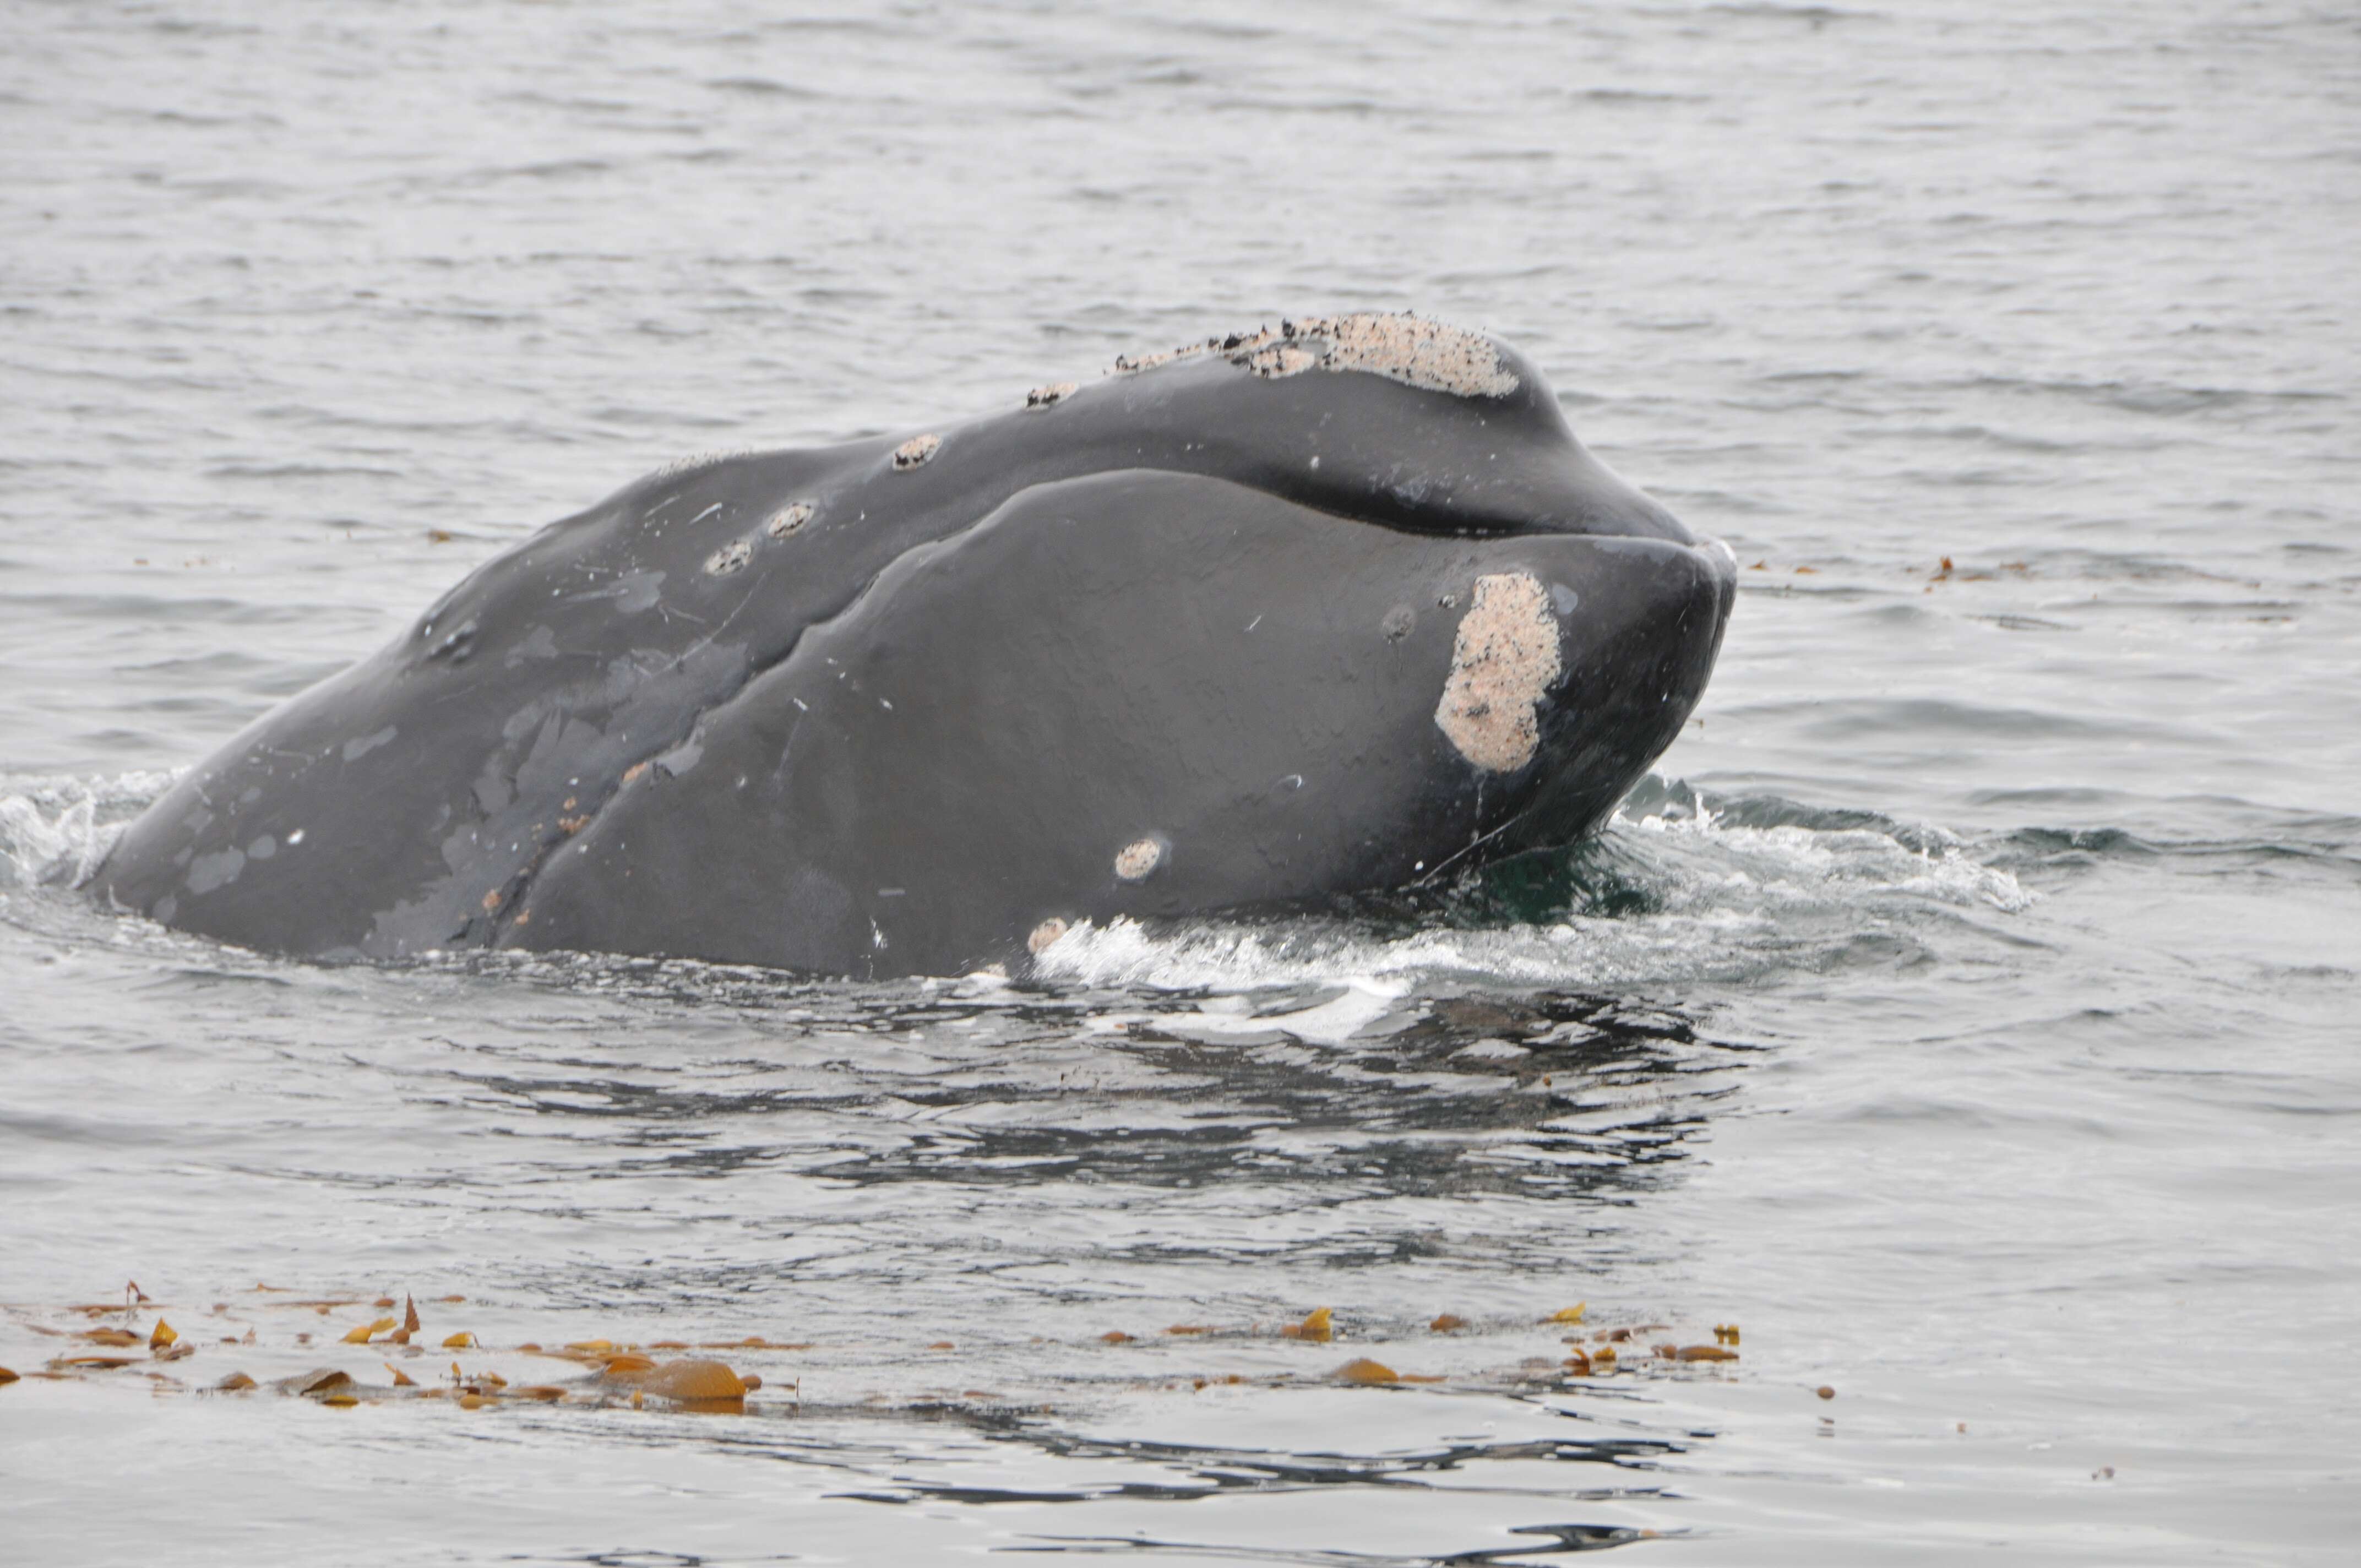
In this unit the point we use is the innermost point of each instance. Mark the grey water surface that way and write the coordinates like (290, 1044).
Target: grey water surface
(1966, 1010)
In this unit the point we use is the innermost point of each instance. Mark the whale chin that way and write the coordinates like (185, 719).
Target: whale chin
(1329, 609)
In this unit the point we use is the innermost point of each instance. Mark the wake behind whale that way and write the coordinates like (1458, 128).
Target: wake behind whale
(1336, 606)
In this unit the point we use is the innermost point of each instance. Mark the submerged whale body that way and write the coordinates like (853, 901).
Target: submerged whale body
(1338, 607)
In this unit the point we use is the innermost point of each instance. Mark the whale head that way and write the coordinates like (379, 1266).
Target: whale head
(1337, 606)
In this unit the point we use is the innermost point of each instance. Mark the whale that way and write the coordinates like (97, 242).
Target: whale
(1266, 621)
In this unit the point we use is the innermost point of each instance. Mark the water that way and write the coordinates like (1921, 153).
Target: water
(1964, 1011)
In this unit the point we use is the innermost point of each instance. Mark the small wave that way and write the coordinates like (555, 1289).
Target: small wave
(1676, 887)
(764, 87)
(56, 828)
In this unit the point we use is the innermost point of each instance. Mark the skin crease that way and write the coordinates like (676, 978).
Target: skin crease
(1310, 610)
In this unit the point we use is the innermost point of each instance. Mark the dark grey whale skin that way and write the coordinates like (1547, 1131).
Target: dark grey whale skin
(1193, 607)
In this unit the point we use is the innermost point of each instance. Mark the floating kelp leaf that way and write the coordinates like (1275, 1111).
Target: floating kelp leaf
(1725, 1333)
(459, 1342)
(100, 1363)
(1825, 1392)
(7, 1375)
(173, 1351)
(697, 1381)
(1578, 1363)
(360, 1333)
(1666, 1352)
(451, 1301)
(1115, 1336)
(669, 1344)
(471, 1401)
(319, 1380)
(1707, 1353)
(1314, 1328)
(235, 1383)
(340, 1401)
(1568, 1314)
(1604, 1354)
(401, 1379)
(161, 1335)
(382, 1301)
(592, 1344)
(1446, 1324)
(109, 1336)
(694, 1380)
(548, 1393)
(409, 1316)
(942, 1345)
(1361, 1370)
(1189, 1329)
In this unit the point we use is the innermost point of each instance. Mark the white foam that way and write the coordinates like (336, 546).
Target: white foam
(1725, 901)
(55, 827)
(1791, 860)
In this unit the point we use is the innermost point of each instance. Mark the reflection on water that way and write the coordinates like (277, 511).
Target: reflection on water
(1026, 1244)
(1011, 1251)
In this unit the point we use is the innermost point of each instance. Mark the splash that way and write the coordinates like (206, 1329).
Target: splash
(1794, 861)
(1684, 891)
(56, 828)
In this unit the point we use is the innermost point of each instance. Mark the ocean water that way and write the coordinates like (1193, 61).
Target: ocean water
(1966, 1010)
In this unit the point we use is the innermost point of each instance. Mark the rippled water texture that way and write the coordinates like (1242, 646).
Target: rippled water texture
(1965, 1013)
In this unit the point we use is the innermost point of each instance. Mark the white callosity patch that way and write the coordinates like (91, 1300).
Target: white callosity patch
(1137, 859)
(1044, 935)
(730, 557)
(788, 518)
(697, 462)
(915, 450)
(1502, 661)
(1049, 396)
(1428, 355)
(1280, 359)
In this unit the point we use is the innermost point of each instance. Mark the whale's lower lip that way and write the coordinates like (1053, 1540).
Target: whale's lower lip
(1190, 696)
